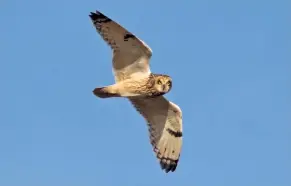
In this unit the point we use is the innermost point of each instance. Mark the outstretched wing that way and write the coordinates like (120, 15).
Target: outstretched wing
(130, 54)
(165, 127)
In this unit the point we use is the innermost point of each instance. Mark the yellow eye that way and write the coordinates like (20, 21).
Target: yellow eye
(159, 82)
(169, 83)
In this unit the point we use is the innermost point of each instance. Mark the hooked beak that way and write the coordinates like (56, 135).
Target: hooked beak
(164, 87)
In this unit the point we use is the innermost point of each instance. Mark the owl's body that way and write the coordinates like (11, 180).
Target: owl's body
(152, 85)
(145, 90)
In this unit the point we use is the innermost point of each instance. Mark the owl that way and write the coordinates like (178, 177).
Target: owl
(144, 89)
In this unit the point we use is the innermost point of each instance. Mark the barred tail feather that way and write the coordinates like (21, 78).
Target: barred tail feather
(104, 92)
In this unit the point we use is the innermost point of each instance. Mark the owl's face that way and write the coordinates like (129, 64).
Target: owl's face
(163, 84)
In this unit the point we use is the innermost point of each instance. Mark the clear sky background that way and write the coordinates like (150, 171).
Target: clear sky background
(231, 66)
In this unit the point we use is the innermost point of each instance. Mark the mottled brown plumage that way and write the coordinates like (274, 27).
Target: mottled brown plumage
(151, 86)
(145, 90)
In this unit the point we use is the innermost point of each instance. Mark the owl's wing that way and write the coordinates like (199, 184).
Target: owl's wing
(164, 120)
(130, 54)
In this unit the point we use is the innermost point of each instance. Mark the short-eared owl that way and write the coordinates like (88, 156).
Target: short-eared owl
(145, 90)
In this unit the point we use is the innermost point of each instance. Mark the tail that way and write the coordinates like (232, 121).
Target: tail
(104, 92)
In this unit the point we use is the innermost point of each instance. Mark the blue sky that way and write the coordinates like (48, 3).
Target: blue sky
(231, 70)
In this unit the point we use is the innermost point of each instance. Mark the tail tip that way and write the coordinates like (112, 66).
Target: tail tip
(100, 92)
(103, 93)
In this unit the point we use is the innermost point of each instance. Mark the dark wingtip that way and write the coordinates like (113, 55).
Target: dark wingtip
(94, 15)
(98, 16)
(169, 167)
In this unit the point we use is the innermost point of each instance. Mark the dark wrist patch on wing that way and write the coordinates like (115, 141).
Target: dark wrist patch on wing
(174, 133)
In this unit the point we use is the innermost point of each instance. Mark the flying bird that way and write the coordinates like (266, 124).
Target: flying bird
(144, 89)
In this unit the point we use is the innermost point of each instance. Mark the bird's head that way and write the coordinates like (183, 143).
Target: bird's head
(163, 83)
